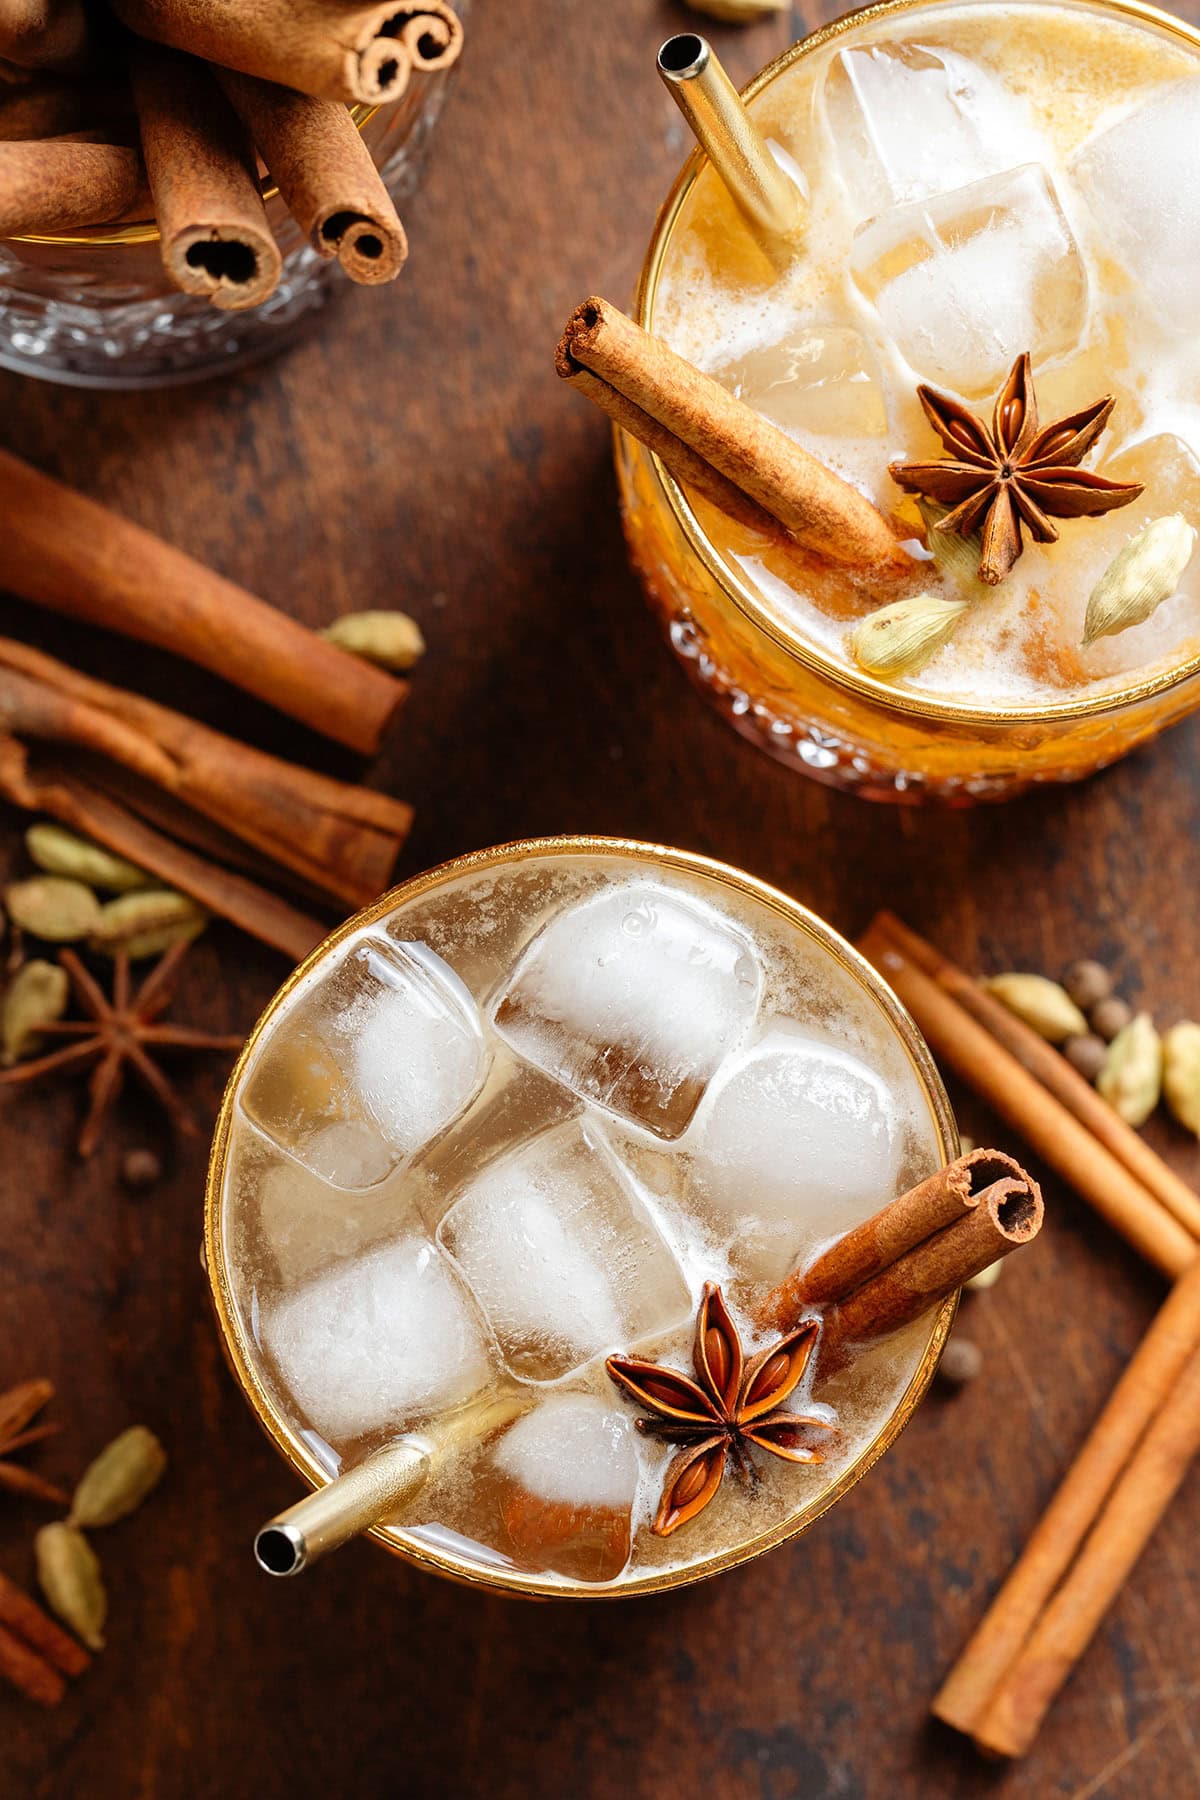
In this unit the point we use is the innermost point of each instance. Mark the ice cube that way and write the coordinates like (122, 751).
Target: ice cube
(292, 1223)
(378, 1342)
(797, 1141)
(821, 381)
(1141, 178)
(908, 121)
(570, 1476)
(633, 998)
(563, 1254)
(967, 281)
(370, 1063)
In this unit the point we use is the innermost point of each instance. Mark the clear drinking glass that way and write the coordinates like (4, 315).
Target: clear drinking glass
(334, 1175)
(778, 686)
(93, 307)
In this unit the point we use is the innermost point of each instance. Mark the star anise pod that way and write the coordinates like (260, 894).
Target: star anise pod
(121, 1034)
(1014, 476)
(17, 1407)
(731, 1405)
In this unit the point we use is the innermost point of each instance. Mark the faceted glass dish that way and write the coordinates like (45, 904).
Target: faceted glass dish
(235, 1324)
(94, 308)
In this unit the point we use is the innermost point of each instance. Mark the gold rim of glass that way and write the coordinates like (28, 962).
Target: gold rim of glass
(243, 1361)
(145, 231)
(793, 643)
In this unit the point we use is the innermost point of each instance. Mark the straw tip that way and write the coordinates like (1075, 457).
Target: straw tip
(683, 56)
(280, 1550)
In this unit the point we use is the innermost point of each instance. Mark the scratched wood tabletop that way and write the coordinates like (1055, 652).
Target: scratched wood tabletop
(417, 450)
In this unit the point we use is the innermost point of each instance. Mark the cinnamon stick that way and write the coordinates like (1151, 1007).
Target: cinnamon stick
(1006, 1215)
(341, 838)
(984, 1684)
(69, 554)
(86, 809)
(213, 232)
(1126, 1525)
(1055, 1073)
(21, 1614)
(1032, 1111)
(338, 51)
(45, 107)
(876, 1244)
(56, 185)
(701, 431)
(315, 154)
(28, 1672)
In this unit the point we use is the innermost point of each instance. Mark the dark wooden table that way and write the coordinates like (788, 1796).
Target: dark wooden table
(418, 451)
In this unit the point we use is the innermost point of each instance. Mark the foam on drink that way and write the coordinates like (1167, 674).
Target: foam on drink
(983, 181)
(551, 1222)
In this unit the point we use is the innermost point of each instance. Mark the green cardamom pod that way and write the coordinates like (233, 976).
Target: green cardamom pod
(391, 639)
(900, 639)
(119, 1479)
(60, 852)
(1181, 1073)
(69, 1575)
(146, 923)
(1131, 1079)
(37, 995)
(51, 907)
(954, 555)
(1140, 577)
(1041, 1003)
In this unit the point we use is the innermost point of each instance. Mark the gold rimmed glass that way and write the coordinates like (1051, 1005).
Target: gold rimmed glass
(413, 900)
(93, 307)
(786, 693)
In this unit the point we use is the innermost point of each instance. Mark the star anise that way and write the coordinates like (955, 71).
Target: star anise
(731, 1405)
(119, 1034)
(1015, 475)
(17, 1407)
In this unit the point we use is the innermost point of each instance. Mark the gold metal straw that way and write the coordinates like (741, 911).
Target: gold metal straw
(376, 1488)
(771, 202)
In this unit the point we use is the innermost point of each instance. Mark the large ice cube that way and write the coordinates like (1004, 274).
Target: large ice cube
(290, 1223)
(1141, 178)
(633, 999)
(569, 1479)
(370, 1064)
(907, 121)
(798, 1141)
(821, 381)
(563, 1254)
(378, 1342)
(967, 281)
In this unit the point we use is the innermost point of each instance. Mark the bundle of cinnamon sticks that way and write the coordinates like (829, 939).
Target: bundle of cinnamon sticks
(177, 109)
(204, 813)
(1147, 1436)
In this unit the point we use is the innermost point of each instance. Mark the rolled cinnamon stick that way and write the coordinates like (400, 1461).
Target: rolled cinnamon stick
(690, 420)
(213, 232)
(970, 1693)
(70, 554)
(20, 1613)
(57, 185)
(337, 51)
(86, 809)
(28, 1672)
(1032, 1111)
(1128, 1522)
(1005, 1216)
(879, 1242)
(45, 107)
(342, 838)
(315, 153)
(1054, 1072)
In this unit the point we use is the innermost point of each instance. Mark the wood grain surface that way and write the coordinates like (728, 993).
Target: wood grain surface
(417, 450)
